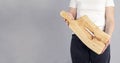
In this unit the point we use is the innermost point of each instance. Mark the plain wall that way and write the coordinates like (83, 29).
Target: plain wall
(31, 31)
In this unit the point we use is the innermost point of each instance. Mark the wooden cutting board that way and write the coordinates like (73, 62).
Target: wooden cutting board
(90, 34)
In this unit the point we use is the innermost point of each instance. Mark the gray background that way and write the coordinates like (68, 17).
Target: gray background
(31, 31)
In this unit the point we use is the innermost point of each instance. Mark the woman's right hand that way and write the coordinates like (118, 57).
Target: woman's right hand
(71, 17)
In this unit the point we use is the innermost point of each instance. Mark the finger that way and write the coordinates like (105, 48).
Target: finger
(71, 16)
(106, 45)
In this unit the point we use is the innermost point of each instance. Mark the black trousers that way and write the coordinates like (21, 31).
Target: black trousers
(82, 54)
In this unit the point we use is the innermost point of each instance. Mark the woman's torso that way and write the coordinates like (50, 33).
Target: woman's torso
(94, 9)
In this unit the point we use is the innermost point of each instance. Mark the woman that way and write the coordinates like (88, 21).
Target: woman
(101, 12)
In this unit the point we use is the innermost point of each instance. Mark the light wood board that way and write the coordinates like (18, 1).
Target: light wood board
(90, 34)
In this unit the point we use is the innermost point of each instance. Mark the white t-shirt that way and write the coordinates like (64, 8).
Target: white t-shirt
(94, 9)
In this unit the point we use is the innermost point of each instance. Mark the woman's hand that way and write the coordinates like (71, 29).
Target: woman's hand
(106, 45)
(70, 16)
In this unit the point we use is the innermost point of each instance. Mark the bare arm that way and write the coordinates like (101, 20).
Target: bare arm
(109, 22)
(109, 17)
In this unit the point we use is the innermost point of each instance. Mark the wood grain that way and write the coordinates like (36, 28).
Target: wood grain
(90, 34)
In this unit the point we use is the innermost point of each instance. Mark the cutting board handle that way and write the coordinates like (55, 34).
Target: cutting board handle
(66, 16)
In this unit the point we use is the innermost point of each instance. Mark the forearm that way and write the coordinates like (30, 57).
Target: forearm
(109, 28)
(109, 20)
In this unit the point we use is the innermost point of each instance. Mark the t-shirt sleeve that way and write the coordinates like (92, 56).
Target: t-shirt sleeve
(110, 3)
(73, 4)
